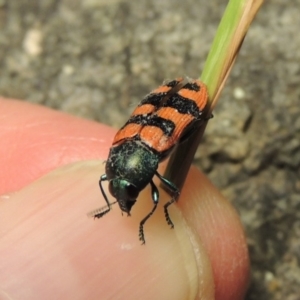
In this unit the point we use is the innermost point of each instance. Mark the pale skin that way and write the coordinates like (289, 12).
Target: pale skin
(50, 249)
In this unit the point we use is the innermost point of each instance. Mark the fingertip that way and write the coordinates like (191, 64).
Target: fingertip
(218, 226)
(71, 255)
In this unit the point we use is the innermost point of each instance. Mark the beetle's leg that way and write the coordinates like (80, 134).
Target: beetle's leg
(104, 210)
(155, 198)
(175, 194)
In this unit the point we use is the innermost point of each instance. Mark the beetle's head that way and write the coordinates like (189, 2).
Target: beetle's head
(125, 193)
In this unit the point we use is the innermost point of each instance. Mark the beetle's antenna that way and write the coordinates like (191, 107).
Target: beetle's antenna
(100, 212)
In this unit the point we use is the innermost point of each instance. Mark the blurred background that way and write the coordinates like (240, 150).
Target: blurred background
(98, 58)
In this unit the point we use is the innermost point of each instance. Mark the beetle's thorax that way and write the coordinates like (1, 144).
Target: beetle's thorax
(133, 162)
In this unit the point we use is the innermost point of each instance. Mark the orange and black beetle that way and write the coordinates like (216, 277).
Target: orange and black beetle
(165, 117)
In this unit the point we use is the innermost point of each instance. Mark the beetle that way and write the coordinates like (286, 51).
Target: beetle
(166, 117)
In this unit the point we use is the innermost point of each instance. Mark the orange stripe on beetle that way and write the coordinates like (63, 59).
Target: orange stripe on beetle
(157, 139)
(199, 98)
(129, 131)
(144, 109)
